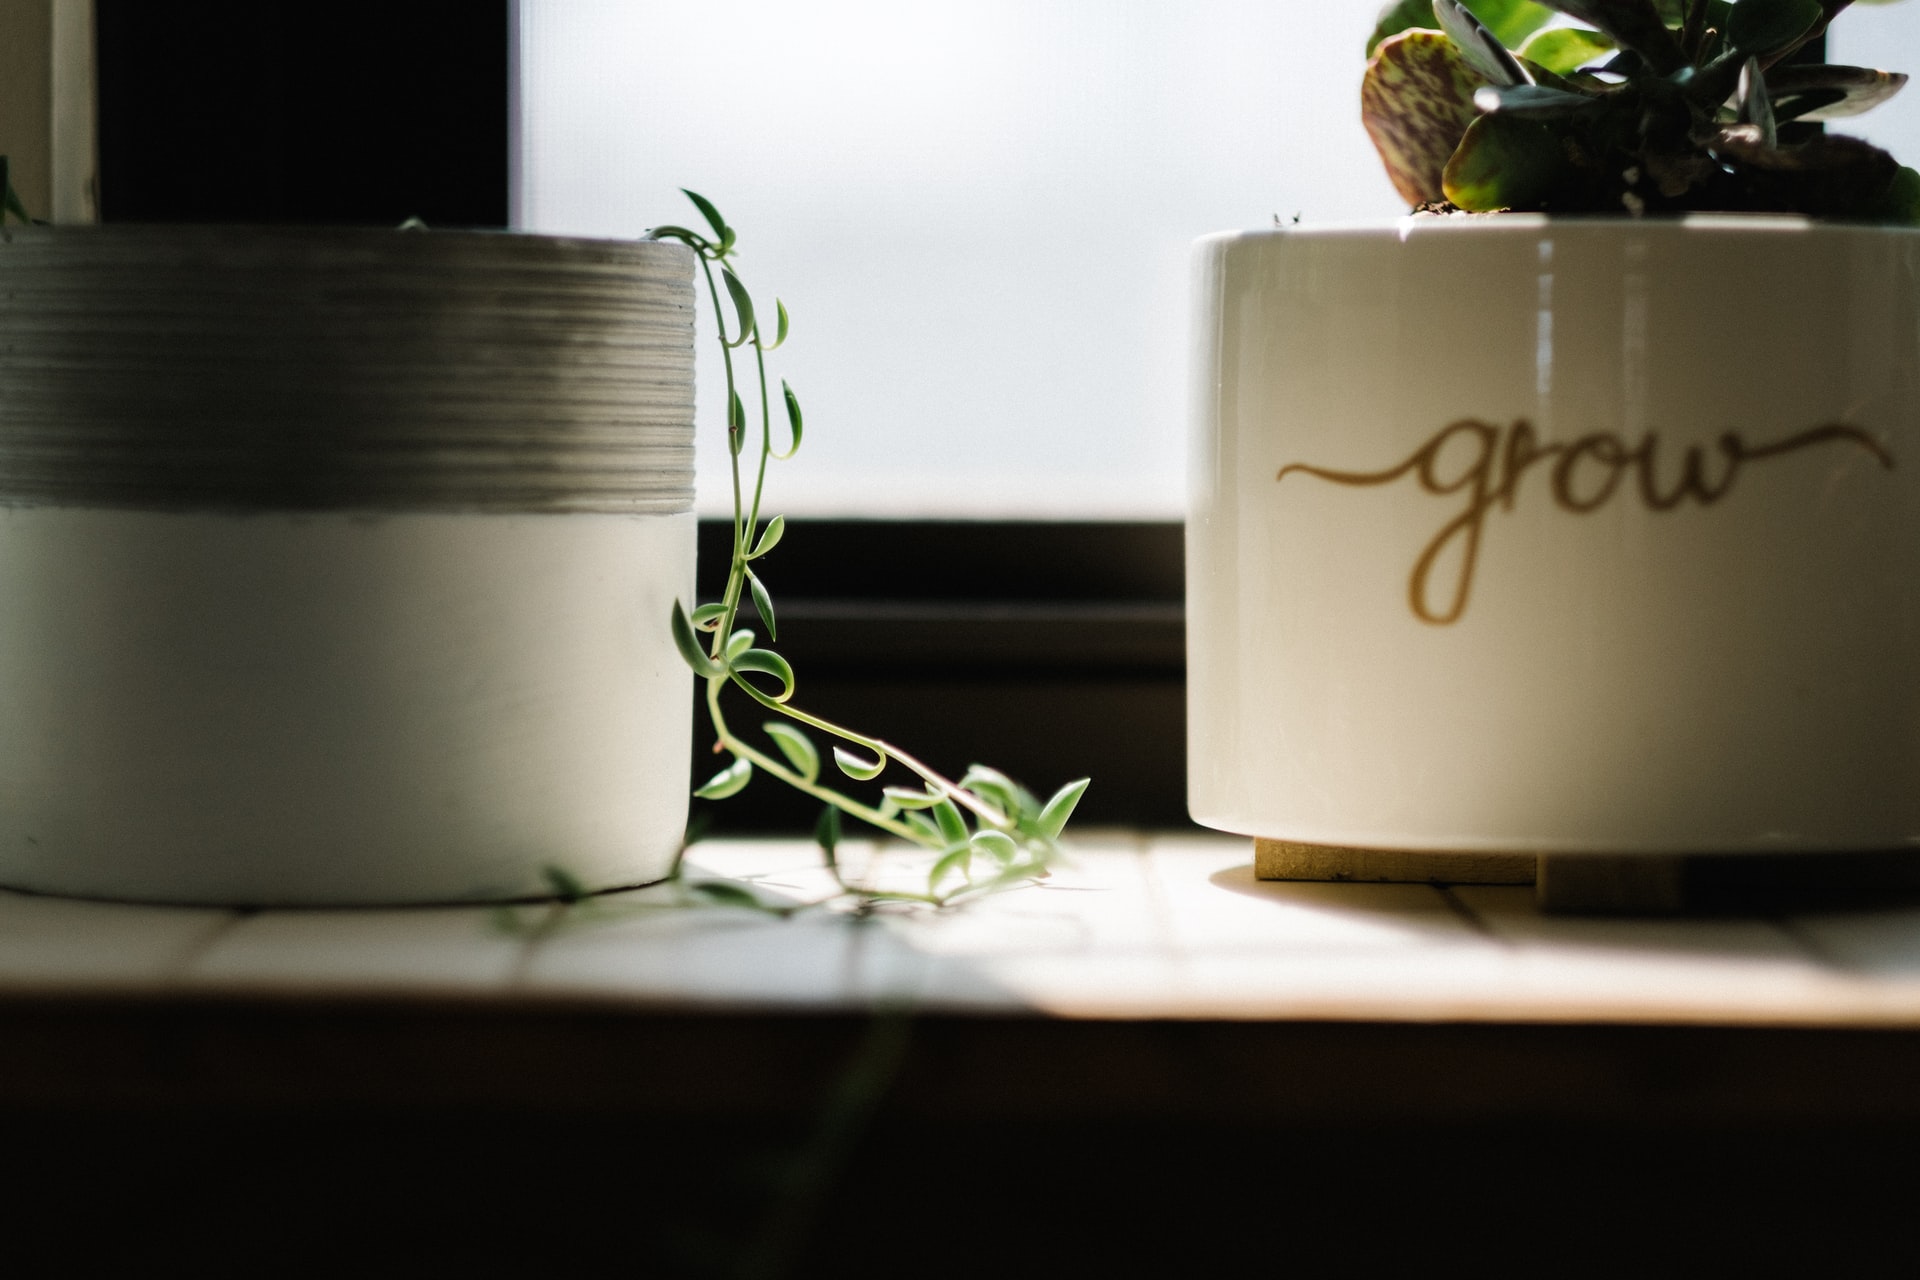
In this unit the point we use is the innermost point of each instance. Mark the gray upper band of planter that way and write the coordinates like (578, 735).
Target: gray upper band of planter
(210, 368)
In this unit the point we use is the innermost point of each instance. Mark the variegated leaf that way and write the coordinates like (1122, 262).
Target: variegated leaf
(1417, 102)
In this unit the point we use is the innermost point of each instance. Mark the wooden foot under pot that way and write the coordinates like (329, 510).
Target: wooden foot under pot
(1597, 884)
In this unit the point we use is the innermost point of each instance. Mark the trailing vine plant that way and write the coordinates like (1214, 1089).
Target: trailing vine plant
(984, 831)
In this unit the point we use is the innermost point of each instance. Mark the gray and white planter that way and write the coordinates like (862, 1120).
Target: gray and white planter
(1558, 536)
(336, 566)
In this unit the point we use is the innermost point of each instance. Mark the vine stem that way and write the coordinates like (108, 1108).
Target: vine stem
(839, 800)
(935, 781)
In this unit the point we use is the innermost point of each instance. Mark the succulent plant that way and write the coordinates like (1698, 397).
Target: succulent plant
(1645, 106)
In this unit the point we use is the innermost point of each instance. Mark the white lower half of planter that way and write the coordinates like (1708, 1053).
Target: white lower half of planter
(339, 707)
(1531, 535)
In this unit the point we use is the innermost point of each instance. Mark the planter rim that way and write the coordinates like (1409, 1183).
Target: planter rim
(1530, 225)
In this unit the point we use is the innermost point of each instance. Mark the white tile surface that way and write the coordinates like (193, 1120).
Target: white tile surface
(425, 949)
(57, 942)
(1162, 928)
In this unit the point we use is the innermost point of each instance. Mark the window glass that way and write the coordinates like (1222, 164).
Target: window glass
(980, 213)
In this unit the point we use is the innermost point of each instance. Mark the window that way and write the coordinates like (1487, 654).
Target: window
(980, 213)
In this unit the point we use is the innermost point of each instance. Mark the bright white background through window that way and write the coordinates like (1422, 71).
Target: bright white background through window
(978, 211)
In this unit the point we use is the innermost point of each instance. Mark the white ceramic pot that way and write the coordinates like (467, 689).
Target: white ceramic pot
(1518, 534)
(336, 567)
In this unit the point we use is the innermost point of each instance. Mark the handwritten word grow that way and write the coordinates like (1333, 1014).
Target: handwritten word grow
(1485, 464)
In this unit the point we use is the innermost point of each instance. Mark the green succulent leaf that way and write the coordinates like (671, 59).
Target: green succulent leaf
(1533, 101)
(738, 643)
(708, 616)
(1753, 106)
(766, 662)
(925, 830)
(1060, 806)
(1504, 162)
(689, 645)
(762, 603)
(742, 307)
(769, 537)
(707, 211)
(1510, 21)
(1829, 92)
(728, 782)
(779, 324)
(1634, 24)
(1902, 203)
(856, 767)
(1766, 26)
(953, 827)
(1416, 101)
(796, 746)
(793, 419)
(1479, 46)
(1564, 50)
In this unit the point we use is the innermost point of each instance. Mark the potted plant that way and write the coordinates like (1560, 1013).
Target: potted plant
(338, 563)
(1576, 512)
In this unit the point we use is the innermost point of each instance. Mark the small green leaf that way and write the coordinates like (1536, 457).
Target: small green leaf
(996, 787)
(691, 238)
(738, 643)
(793, 419)
(563, 884)
(10, 202)
(736, 424)
(927, 831)
(910, 798)
(769, 537)
(707, 211)
(742, 307)
(953, 827)
(959, 862)
(1764, 26)
(797, 747)
(854, 767)
(689, 646)
(708, 616)
(762, 603)
(780, 324)
(826, 833)
(766, 662)
(1053, 817)
(729, 781)
(1504, 162)
(997, 845)
(1564, 50)
(728, 895)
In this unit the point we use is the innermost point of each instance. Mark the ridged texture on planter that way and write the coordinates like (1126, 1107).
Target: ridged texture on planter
(252, 369)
